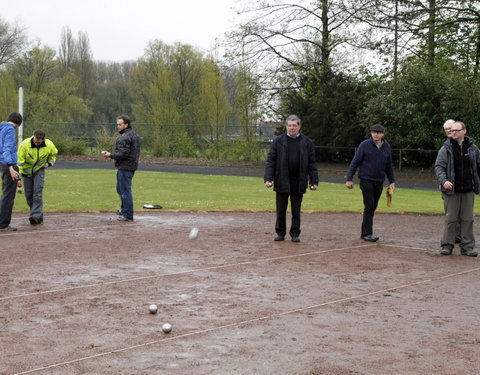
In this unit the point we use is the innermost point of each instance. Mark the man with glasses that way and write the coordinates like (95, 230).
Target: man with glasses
(447, 127)
(290, 167)
(457, 169)
(126, 154)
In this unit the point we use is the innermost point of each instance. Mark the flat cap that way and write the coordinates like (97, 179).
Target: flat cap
(377, 128)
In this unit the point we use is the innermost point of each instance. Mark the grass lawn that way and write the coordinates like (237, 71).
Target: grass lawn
(94, 190)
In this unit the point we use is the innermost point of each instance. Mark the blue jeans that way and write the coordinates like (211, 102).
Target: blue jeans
(124, 190)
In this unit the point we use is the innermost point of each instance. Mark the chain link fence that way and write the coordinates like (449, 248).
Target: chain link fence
(212, 141)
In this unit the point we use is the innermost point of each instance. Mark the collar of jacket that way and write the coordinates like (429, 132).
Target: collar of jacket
(124, 130)
(289, 136)
(32, 143)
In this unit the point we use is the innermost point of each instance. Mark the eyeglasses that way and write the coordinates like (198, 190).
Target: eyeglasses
(456, 130)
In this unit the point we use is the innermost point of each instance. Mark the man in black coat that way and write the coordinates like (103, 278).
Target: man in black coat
(290, 166)
(126, 154)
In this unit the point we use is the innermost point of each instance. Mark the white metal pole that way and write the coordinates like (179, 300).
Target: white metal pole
(20, 110)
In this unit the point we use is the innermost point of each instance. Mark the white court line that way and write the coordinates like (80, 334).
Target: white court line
(179, 273)
(406, 247)
(113, 224)
(265, 317)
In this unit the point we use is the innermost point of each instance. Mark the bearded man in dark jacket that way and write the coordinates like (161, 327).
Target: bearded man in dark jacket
(290, 168)
(126, 154)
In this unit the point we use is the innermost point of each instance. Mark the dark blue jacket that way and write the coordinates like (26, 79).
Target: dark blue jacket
(276, 169)
(373, 162)
(8, 144)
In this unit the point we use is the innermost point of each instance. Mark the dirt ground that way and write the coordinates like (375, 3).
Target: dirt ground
(75, 293)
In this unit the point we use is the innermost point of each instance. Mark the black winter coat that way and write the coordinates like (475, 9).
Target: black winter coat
(276, 169)
(127, 150)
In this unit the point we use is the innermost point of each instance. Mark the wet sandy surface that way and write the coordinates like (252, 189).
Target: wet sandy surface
(75, 293)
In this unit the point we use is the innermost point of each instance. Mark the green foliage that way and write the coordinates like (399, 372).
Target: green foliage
(105, 139)
(171, 142)
(238, 149)
(414, 107)
(70, 146)
(8, 95)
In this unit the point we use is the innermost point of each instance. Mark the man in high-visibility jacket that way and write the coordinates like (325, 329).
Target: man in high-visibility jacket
(35, 154)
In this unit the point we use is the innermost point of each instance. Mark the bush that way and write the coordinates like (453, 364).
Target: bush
(240, 150)
(104, 139)
(69, 146)
(168, 142)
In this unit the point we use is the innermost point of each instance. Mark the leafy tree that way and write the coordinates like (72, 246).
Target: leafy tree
(213, 105)
(8, 95)
(114, 91)
(48, 97)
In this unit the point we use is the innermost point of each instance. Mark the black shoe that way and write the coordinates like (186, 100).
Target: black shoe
(279, 238)
(34, 221)
(370, 238)
(446, 251)
(295, 239)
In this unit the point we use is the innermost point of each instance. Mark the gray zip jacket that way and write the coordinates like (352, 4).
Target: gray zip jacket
(444, 167)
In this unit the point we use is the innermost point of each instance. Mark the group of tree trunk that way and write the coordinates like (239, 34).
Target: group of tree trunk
(341, 65)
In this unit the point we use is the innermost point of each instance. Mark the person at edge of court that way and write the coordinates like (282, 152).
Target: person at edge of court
(374, 160)
(35, 154)
(457, 169)
(447, 127)
(8, 165)
(290, 168)
(126, 154)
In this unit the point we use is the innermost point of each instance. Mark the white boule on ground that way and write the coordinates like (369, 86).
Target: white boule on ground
(153, 309)
(167, 328)
(193, 234)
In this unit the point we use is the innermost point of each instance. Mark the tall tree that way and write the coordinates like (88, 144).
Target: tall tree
(13, 41)
(213, 105)
(8, 94)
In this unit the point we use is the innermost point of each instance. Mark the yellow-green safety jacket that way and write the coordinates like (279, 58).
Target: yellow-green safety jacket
(32, 158)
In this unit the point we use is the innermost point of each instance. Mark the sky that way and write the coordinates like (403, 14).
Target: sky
(119, 30)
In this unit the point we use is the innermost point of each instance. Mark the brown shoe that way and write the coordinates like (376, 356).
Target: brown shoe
(469, 253)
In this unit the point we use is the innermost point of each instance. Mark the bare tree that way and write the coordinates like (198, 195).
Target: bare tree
(67, 51)
(13, 41)
(290, 40)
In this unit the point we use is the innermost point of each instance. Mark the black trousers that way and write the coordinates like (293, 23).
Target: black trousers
(9, 189)
(371, 192)
(295, 205)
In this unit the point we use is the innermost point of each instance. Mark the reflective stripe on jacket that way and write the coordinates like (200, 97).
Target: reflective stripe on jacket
(32, 158)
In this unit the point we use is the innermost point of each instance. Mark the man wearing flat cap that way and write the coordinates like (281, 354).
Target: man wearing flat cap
(374, 160)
